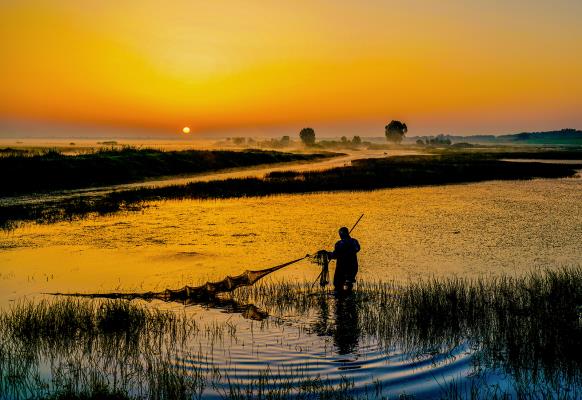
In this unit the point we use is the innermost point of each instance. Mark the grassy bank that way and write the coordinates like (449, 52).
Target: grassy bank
(54, 170)
(516, 152)
(367, 174)
(526, 327)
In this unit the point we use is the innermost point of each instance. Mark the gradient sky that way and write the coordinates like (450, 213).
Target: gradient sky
(462, 67)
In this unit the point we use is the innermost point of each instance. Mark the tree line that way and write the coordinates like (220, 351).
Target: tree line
(394, 132)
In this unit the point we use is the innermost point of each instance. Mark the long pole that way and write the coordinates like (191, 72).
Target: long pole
(357, 222)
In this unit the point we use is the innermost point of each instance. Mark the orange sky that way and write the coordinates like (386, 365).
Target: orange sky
(450, 66)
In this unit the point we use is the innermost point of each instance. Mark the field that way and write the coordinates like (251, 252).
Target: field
(499, 332)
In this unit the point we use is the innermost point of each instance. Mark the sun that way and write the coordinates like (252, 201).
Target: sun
(186, 129)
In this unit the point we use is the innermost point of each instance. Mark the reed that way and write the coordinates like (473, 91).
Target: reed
(52, 169)
(366, 174)
(96, 349)
(527, 327)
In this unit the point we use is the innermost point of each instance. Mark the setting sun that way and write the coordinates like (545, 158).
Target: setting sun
(186, 129)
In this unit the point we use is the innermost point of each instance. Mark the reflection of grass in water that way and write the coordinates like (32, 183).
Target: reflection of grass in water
(528, 327)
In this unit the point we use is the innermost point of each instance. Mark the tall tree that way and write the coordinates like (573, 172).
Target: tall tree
(395, 131)
(307, 136)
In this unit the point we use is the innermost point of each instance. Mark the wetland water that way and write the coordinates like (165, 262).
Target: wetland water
(472, 230)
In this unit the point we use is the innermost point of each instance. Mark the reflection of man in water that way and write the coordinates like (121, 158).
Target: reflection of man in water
(346, 329)
(346, 269)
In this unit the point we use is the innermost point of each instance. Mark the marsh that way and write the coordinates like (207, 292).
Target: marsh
(485, 230)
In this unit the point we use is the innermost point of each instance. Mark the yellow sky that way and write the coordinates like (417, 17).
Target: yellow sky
(453, 66)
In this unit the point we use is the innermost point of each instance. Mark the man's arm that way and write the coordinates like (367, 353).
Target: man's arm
(333, 254)
(356, 245)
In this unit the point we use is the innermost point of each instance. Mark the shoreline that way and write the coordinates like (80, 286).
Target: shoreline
(53, 171)
(362, 175)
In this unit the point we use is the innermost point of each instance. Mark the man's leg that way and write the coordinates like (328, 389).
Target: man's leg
(338, 280)
(348, 286)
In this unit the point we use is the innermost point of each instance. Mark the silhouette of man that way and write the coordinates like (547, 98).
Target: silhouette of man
(346, 269)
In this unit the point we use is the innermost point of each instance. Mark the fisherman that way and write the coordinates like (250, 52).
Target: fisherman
(345, 252)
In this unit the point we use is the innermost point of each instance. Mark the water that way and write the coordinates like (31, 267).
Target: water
(482, 229)
(475, 229)
(304, 349)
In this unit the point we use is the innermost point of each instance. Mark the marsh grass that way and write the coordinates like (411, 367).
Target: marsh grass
(529, 327)
(95, 349)
(366, 174)
(70, 319)
(280, 385)
(526, 327)
(52, 170)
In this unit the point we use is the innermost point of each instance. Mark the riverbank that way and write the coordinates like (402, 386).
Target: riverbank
(366, 174)
(53, 170)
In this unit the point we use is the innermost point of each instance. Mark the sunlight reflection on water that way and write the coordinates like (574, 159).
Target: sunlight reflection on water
(474, 229)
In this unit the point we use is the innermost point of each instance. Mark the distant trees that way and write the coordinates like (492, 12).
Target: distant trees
(357, 140)
(395, 131)
(439, 140)
(272, 143)
(307, 136)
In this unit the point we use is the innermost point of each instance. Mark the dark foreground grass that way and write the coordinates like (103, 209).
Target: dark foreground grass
(110, 350)
(366, 174)
(546, 304)
(53, 170)
(528, 328)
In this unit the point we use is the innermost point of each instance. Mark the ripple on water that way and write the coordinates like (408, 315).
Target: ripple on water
(290, 354)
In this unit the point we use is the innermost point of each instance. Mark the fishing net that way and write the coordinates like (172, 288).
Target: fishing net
(321, 258)
(210, 290)
(204, 292)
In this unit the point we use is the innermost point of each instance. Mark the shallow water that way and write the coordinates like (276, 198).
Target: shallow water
(302, 349)
(474, 229)
(481, 229)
